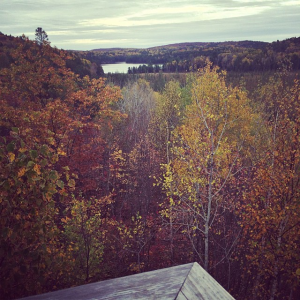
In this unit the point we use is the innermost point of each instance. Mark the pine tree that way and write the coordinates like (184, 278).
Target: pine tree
(41, 36)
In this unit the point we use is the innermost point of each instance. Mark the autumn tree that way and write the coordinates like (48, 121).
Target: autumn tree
(30, 187)
(206, 157)
(56, 129)
(138, 102)
(86, 226)
(168, 113)
(271, 205)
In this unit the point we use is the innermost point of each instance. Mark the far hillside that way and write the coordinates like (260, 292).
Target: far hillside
(184, 57)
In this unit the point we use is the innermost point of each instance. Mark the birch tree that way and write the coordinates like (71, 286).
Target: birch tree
(206, 157)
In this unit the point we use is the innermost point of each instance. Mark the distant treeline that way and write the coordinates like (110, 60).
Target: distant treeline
(231, 56)
(245, 56)
(145, 69)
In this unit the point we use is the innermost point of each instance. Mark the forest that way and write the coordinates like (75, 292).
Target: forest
(100, 181)
(242, 56)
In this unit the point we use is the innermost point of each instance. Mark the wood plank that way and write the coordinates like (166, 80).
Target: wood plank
(200, 285)
(181, 296)
(185, 282)
(159, 284)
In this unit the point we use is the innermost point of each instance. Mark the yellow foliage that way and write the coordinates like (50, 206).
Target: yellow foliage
(11, 156)
(21, 172)
(37, 169)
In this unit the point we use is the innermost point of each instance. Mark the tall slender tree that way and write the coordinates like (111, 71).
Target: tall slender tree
(207, 154)
(41, 36)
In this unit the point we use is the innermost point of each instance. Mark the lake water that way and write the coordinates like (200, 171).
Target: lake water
(118, 68)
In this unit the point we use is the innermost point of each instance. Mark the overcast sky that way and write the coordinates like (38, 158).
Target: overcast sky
(91, 24)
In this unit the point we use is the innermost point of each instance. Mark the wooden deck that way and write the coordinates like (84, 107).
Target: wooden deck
(185, 282)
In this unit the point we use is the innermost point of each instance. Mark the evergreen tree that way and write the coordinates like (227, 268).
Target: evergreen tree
(41, 36)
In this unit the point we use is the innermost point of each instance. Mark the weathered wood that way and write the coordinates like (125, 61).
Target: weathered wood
(185, 282)
(200, 285)
(180, 296)
(159, 284)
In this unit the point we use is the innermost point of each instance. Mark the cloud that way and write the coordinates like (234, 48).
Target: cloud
(253, 1)
(83, 32)
(173, 15)
(290, 3)
(98, 41)
(135, 23)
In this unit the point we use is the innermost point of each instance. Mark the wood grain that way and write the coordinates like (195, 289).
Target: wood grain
(185, 282)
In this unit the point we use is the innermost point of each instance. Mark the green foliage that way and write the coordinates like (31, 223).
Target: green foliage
(85, 229)
(30, 189)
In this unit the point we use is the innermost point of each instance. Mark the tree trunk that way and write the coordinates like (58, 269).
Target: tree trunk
(276, 268)
(206, 245)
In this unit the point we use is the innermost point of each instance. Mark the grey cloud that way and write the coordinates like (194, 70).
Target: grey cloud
(17, 17)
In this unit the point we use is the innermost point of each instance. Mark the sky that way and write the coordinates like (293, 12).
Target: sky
(93, 24)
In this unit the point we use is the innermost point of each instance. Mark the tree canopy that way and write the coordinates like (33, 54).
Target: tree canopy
(98, 181)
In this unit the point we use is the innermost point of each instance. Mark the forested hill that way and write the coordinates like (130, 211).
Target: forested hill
(238, 56)
(193, 45)
(184, 57)
(74, 61)
(246, 44)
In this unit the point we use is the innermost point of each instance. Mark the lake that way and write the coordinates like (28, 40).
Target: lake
(118, 68)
